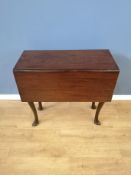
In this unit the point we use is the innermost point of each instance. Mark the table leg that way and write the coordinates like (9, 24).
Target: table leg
(96, 121)
(93, 105)
(40, 106)
(32, 106)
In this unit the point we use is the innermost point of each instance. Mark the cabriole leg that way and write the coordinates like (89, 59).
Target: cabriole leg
(96, 121)
(32, 106)
(93, 105)
(40, 106)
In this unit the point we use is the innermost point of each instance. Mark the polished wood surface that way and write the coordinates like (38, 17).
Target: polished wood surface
(79, 75)
(66, 86)
(65, 142)
(66, 60)
(66, 76)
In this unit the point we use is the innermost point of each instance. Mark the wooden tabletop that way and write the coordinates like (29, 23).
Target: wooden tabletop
(66, 60)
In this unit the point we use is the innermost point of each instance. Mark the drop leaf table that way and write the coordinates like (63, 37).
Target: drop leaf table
(66, 76)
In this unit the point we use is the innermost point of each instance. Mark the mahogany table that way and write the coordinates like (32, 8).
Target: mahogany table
(66, 75)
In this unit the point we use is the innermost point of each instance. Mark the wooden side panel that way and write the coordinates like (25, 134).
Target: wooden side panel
(66, 86)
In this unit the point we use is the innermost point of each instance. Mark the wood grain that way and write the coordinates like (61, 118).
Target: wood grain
(66, 60)
(66, 142)
(66, 75)
(66, 86)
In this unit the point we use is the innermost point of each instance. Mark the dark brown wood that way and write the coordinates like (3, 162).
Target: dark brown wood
(93, 105)
(66, 86)
(40, 106)
(32, 106)
(66, 75)
(96, 120)
(66, 60)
